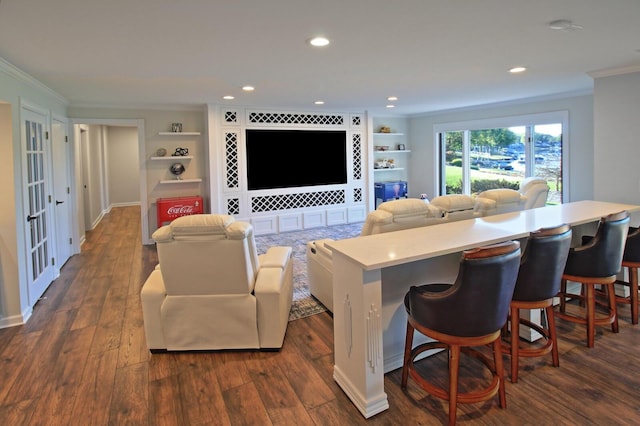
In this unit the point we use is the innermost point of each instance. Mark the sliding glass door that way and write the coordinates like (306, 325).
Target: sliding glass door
(475, 159)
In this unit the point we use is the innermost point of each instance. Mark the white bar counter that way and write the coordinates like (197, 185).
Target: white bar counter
(373, 273)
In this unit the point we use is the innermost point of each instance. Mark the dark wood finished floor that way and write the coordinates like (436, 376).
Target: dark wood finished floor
(81, 360)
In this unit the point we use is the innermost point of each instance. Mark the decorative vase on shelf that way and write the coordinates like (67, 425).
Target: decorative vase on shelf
(177, 169)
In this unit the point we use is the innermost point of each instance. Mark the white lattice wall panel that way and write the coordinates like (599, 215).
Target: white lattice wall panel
(232, 160)
(299, 119)
(356, 149)
(233, 206)
(269, 203)
(230, 117)
(357, 195)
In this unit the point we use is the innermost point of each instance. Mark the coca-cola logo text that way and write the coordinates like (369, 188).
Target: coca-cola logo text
(180, 210)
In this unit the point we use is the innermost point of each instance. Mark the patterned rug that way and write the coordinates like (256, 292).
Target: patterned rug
(304, 304)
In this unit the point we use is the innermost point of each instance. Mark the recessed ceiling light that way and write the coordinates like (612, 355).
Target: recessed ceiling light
(516, 70)
(319, 41)
(248, 88)
(564, 25)
(228, 97)
(391, 106)
(319, 102)
(392, 98)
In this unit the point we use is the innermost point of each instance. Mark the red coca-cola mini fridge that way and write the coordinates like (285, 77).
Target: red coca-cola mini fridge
(171, 208)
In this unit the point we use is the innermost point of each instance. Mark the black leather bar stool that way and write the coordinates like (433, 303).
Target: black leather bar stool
(631, 261)
(541, 267)
(595, 263)
(463, 315)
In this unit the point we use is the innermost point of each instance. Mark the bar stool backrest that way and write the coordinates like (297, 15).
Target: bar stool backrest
(602, 255)
(542, 264)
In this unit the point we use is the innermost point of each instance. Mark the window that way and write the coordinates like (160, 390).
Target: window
(499, 153)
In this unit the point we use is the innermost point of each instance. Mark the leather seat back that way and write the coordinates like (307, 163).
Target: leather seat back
(192, 246)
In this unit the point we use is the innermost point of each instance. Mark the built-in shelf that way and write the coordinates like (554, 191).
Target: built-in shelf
(388, 169)
(391, 151)
(179, 133)
(173, 157)
(182, 181)
(388, 134)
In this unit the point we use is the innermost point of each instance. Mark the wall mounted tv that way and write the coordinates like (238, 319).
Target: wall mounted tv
(295, 158)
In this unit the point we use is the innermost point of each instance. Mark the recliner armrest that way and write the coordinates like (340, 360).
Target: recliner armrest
(274, 295)
(320, 248)
(275, 257)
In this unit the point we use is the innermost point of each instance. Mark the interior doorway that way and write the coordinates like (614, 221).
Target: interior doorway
(89, 174)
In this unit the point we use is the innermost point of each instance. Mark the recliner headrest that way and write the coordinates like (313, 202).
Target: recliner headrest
(407, 206)
(502, 195)
(454, 202)
(530, 182)
(210, 225)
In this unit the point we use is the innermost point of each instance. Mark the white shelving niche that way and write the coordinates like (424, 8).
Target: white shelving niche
(391, 162)
(176, 158)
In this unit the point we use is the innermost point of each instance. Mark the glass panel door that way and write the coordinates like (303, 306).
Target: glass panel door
(37, 205)
(473, 161)
(547, 158)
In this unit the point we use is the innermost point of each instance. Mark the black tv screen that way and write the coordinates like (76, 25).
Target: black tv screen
(294, 158)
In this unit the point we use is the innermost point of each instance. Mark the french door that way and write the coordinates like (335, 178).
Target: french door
(37, 203)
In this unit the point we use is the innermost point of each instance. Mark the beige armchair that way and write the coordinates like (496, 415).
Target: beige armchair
(211, 289)
(532, 193)
(501, 200)
(536, 190)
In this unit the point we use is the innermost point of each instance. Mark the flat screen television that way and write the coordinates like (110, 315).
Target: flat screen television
(295, 158)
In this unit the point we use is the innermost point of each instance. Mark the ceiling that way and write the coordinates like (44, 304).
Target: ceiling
(432, 54)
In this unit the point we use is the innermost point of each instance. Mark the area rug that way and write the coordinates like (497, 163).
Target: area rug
(304, 304)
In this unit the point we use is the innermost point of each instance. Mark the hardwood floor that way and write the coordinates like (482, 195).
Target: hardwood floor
(82, 359)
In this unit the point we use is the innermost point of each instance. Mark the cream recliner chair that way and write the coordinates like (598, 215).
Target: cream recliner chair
(390, 216)
(211, 289)
(532, 193)
(536, 190)
(457, 206)
(500, 200)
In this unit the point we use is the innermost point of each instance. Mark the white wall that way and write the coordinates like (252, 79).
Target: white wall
(123, 173)
(423, 159)
(93, 176)
(616, 106)
(9, 294)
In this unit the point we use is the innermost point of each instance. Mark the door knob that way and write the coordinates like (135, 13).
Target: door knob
(59, 202)
(30, 218)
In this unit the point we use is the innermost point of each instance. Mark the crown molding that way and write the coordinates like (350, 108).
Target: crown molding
(138, 107)
(609, 72)
(15, 72)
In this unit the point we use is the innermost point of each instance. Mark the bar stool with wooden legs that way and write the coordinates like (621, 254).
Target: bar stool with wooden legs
(631, 261)
(541, 266)
(461, 317)
(595, 263)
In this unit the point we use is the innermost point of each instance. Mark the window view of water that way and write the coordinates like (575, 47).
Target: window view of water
(502, 157)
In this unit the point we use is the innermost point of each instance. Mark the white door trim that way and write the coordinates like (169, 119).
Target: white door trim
(139, 123)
